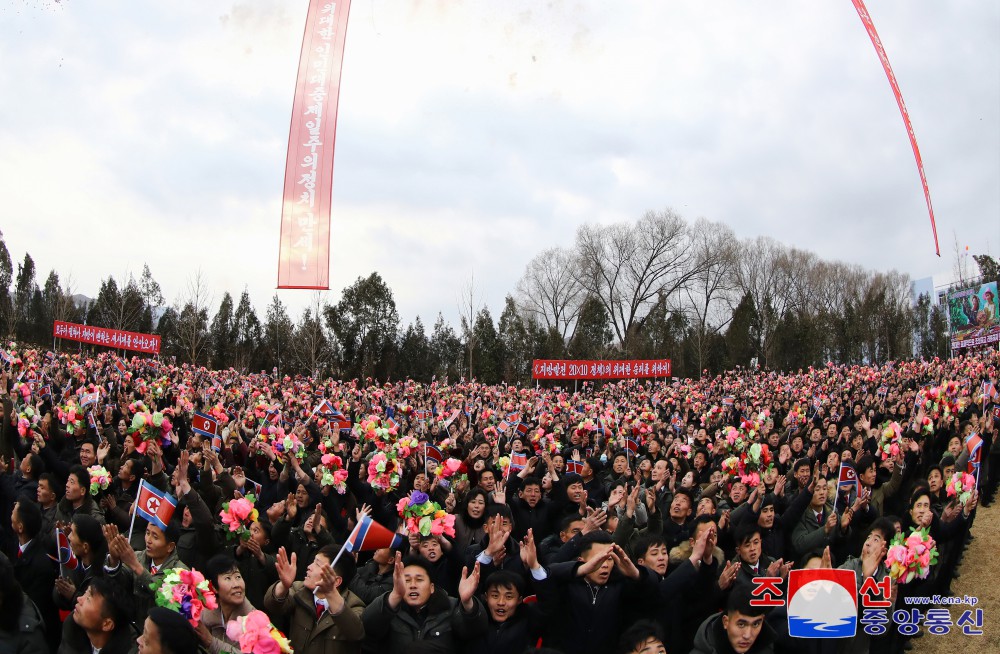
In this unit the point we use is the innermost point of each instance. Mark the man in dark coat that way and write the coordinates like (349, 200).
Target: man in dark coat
(417, 617)
(33, 568)
(741, 629)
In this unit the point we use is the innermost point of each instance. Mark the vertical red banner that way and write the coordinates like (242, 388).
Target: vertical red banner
(866, 19)
(304, 254)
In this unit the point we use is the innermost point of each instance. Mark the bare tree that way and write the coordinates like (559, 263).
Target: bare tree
(469, 306)
(629, 266)
(192, 320)
(64, 306)
(311, 346)
(961, 265)
(709, 293)
(550, 291)
(762, 273)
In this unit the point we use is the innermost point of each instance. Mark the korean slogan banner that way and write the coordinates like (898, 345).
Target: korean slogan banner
(304, 253)
(148, 343)
(972, 313)
(556, 369)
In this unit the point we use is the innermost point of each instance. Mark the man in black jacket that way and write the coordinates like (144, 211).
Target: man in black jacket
(592, 593)
(416, 616)
(530, 510)
(513, 624)
(33, 569)
(741, 629)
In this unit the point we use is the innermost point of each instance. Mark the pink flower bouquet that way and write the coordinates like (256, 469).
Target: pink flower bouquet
(911, 557)
(889, 440)
(100, 479)
(333, 472)
(961, 485)
(187, 592)
(256, 635)
(383, 471)
(238, 515)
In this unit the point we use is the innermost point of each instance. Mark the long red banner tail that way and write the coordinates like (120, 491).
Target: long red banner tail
(304, 254)
(884, 58)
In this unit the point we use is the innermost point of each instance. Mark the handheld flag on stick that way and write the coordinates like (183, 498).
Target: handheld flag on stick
(64, 554)
(847, 479)
(369, 535)
(574, 467)
(631, 446)
(206, 426)
(256, 487)
(518, 461)
(974, 443)
(432, 453)
(153, 505)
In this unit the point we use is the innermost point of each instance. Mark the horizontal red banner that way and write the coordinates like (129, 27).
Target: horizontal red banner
(148, 343)
(561, 369)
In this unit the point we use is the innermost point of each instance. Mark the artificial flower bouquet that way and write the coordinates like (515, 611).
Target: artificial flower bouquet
(256, 635)
(100, 479)
(238, 515)
(911, 557)
(424, 517)
(187, 592)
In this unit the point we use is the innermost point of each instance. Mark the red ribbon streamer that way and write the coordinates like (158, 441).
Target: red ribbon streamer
(884, 58)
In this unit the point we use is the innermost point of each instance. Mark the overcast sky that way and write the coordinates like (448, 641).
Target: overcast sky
(472, 135)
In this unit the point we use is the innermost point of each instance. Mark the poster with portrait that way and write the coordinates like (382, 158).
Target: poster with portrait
(972, 313)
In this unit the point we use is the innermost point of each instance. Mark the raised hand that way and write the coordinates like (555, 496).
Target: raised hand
(700, 545)
(467, 587)
(617, 495)
(500, 493)
(779, 485)
(529, 553)
(631, 501)
(317, 524)
(286, 569)
(291, 508)
(623, 562)
(398, 583)
(327, 589)
(728, 575)
(595, 520)
(594, 563)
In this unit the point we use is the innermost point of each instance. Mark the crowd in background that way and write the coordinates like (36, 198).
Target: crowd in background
(629, 516)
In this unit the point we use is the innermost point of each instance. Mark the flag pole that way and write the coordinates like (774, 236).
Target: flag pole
(342, 549)
(59, 554)
(347, 542)
(135, 507)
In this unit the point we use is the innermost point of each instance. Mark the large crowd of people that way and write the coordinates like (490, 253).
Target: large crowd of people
(631, 517)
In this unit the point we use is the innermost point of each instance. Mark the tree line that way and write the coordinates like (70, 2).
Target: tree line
(658, 287)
